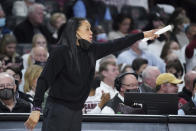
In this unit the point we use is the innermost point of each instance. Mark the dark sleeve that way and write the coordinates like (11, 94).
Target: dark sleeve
(19, 34)
(190, 49)
(53, 67)
(103, 49)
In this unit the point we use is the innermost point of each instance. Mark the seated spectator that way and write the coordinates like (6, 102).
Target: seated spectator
(38, 40)
(3, 29)
(93, 104)
(138, 65)
(121, 26)
(38, 56)
(17, 74)
(110, 57)
(175, 67)
(32, 25)
(170, 47)
(108, 72)
(126, 82)
(186, 93)
(56, 21)
(166, 83)
(8, 102)
(178, 33)
(190, 107)
(31, 76)
(149, 76)
(8, 48)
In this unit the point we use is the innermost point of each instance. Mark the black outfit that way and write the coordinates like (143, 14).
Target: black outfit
(69, 87)
(25, 30)
(189, 108)
(145, 88)
(114, 103)
(25, 96)
(119, 107)
(20, 107)
(186, 94)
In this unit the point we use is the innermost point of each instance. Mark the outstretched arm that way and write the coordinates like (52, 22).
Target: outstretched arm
(103, 49)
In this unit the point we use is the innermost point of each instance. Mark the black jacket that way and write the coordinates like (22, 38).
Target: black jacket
(189, 108)
(24, 32)
(68, 86)
(21, 107)
(186, 94)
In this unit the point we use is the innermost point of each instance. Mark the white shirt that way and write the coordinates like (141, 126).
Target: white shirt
(25, 58)
(106, 89)
(129, 55)
(91, 105)
(182, 39)
(156, 47)
(109, 110)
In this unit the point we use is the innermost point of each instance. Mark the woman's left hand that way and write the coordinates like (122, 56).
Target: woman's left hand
(151, 34)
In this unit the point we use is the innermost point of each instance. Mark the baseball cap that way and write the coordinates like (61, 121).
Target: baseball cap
(167, 78)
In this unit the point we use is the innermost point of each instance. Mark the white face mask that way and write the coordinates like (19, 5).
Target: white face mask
(143, 45)
(177, 53)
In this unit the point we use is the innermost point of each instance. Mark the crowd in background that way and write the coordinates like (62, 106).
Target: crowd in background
(30, 29)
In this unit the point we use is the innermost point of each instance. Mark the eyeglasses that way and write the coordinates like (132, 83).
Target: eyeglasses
(7, 85)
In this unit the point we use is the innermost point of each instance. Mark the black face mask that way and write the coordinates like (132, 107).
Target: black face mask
(84, 44)
(133, 90)
(40, 63)
(6, 93)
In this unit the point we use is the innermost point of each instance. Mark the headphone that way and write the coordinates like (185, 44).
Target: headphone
(118, 80)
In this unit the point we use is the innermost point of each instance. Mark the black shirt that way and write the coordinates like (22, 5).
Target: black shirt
(68, 86)
(21, 107)
(186, 94)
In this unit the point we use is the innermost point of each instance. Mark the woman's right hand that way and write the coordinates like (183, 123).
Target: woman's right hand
(32, 120)
(151, 34)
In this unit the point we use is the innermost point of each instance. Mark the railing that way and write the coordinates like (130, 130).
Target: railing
(117, 122)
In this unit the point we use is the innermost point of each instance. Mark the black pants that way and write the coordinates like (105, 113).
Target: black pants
(57, 117)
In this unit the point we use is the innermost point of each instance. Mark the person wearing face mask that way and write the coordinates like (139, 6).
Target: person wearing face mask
(178, 33)
(38, 56)
(17, 74)
(3, 29)
(8, 102)
(190, 107)
(126, 82)
(38, 40)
